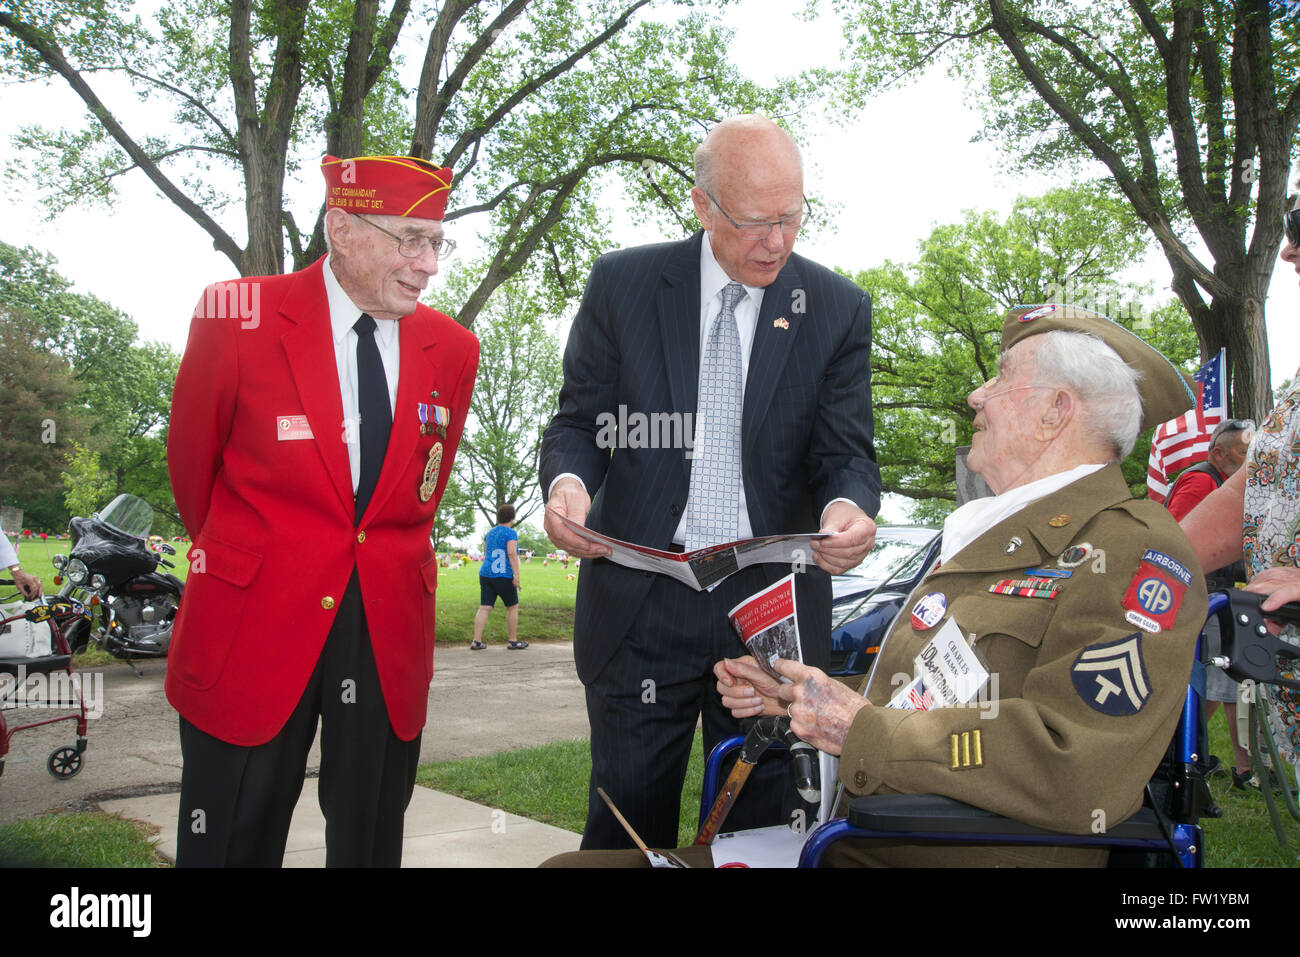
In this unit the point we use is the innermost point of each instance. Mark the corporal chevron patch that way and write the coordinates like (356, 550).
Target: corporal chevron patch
(1112, 677)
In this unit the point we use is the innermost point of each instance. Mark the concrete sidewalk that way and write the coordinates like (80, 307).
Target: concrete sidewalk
(441, 831)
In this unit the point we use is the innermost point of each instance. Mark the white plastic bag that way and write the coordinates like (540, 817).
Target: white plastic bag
(22, 638)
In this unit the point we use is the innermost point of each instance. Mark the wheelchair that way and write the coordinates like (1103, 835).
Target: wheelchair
(1164, 832)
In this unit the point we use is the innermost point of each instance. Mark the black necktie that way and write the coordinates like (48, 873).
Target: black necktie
(376, 413)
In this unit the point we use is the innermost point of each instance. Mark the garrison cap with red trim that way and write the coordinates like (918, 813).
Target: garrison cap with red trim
(386, 186)
(1166, 391)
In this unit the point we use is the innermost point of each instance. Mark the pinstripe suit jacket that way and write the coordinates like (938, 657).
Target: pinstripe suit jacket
(806, 437)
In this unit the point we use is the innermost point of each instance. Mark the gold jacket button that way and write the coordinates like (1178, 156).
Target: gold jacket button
(860, 779)
(327, 602)
(361, 537)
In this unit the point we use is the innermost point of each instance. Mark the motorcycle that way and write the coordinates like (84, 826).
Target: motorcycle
(112, 570)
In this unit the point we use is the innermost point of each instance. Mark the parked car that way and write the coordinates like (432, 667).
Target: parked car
(903, 554)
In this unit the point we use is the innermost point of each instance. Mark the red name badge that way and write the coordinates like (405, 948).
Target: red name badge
(292, 427)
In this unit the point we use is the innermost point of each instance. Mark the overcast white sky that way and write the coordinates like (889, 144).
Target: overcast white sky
(905, 164)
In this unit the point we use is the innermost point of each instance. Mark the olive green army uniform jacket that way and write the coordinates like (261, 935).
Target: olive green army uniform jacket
(1084, 608)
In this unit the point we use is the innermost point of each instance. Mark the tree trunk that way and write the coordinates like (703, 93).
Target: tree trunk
(264, 254)
(1237, 325)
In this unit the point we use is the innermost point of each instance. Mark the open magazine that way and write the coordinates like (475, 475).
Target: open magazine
(704, 567)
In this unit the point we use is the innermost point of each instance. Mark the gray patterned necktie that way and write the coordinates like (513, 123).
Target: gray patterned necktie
(711, 506)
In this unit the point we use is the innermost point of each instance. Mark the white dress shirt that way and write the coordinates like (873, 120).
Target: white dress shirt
(343, 316)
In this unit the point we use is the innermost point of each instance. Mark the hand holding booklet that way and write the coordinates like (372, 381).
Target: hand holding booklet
(704, 567)
(766, 622)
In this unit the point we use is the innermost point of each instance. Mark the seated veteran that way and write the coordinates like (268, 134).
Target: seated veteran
(1080, 603)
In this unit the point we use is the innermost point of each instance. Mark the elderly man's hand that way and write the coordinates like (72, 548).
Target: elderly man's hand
(1281, 585)
(854, 534)
(571, 500)
(29, 585)
(746, 689)
(821, 709)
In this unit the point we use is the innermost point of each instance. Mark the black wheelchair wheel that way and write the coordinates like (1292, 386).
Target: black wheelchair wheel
(64, 762)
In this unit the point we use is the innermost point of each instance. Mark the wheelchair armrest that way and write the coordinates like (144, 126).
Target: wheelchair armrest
(935, 814)
(931, 817)
(932, 813)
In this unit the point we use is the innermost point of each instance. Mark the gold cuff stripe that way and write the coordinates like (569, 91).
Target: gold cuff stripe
(967, 750)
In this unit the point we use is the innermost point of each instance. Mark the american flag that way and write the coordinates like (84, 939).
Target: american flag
(1184, 441)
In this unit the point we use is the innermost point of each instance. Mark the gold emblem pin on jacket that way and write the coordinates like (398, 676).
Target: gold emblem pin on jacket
(429, 481)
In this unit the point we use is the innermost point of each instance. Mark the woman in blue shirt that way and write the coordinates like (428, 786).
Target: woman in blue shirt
(499, 576)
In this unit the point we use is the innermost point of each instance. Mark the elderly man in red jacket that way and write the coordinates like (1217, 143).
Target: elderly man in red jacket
(314, 423)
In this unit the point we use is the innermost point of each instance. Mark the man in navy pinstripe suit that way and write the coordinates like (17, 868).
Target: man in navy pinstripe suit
(644, 644)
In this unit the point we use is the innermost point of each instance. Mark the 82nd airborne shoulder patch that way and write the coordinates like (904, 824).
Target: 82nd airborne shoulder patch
(1112, 677)
(1156, 592)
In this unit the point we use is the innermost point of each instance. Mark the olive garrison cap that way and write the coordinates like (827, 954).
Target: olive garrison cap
(1166, 391)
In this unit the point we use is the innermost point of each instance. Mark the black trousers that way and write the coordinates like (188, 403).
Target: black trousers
(643, 709)
(237, 802)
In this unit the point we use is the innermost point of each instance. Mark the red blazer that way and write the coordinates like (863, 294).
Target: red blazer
(272, 518)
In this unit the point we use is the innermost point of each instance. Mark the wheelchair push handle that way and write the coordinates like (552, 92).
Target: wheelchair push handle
(1250, 651)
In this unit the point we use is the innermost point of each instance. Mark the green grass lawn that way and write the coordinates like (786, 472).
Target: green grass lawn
(545, 604)
(1244, 836)
(83, 839)
(549, 783)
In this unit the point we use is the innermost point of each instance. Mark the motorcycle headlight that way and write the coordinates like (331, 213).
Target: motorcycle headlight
(77, 571)
(59, 561)
(97, 581)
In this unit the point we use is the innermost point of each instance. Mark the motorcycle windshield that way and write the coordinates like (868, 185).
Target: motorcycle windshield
(112, 542)
(129, 514)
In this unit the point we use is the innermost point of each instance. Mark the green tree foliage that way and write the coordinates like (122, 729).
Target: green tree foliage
(519, 377)
(538, 105)
(36, 429)
(1191, 107)
(84, 330)
(455, 516)
(534, 539)
(85, 483)
(131, 400)
(938, 324)
(121, 389)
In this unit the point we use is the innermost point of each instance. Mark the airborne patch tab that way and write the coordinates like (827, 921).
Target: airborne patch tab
(967, 750)
(1112, 677)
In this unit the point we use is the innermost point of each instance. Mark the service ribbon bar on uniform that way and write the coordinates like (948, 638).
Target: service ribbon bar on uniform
(1026, 587)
